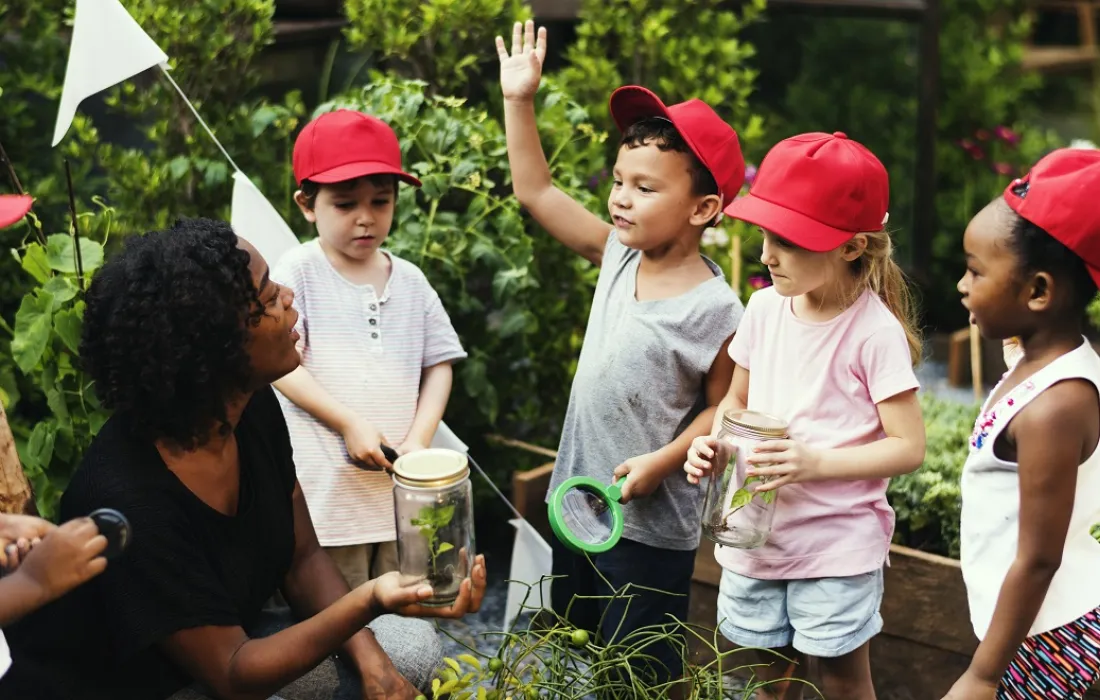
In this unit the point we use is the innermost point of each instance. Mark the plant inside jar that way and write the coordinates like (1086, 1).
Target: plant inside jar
(430, 520)
(741, 498)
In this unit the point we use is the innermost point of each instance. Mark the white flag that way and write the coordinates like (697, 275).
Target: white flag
(255, 220)
(444, 437)
(532, 559)
(108, 47)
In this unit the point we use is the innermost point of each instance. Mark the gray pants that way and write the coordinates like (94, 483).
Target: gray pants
(412, 645)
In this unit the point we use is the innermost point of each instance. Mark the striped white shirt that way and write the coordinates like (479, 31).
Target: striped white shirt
(368, 351)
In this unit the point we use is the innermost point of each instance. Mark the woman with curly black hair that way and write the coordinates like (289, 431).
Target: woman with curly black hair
(183, 334)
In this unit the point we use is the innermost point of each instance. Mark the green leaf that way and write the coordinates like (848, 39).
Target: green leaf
(69, 323)
(769, 496)
(62, 288)
(445, 547)
(59, 253)
(32, 330)
(179, 166)
(40, 444)
(36, 263)
(741, 498)
(262, 118)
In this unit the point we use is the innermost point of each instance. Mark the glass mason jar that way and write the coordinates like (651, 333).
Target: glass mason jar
(433, 505)
(733, 514)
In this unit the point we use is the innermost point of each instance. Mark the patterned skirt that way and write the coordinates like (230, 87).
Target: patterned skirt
(1061, 664)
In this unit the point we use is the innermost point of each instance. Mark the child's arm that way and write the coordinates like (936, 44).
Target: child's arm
(435, 390)
(1053, 436)
(363, 440)
(900, 452)
(701, 455)
(646, 472)
(65, 558)
(563, 217)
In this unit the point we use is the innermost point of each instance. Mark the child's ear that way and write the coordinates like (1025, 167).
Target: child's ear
(707, 208)
(1042, 292)
(854, 247)
(303, 205)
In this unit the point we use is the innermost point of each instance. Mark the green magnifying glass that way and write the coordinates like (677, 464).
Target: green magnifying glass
(585, 514)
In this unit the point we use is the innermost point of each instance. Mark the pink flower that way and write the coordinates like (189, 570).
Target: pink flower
(759, 282)
(1004, 169)
(1007, 135)
(982, 134)
(750, 175)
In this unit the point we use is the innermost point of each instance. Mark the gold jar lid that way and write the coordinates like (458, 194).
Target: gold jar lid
(434, 468)
(755, 422)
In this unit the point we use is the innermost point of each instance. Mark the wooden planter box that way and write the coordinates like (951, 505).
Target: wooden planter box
(926, 642)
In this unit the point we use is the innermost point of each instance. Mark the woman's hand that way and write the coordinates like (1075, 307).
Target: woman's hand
(396, 593)
(700, 460)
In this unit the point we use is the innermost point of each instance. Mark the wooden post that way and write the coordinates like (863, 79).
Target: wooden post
(15, 490)
(735, 261)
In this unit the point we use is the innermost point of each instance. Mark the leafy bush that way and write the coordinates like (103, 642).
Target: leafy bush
(517, 297)
(679, 50)
(442, 42)
(44, 346)
(142, 146)
(928, 502)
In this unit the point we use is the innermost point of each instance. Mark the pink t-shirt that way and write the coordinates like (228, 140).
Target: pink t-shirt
(825, 379)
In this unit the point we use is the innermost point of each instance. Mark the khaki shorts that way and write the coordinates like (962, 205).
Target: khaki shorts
(360, 563)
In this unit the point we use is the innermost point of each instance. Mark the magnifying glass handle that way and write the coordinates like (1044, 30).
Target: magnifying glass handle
(615, 490)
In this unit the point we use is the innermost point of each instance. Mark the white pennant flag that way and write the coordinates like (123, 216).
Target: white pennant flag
(255, 220)
(108, 47)
(528, 582)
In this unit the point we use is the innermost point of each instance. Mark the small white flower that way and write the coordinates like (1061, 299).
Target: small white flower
(715, 236)
(1083, 144)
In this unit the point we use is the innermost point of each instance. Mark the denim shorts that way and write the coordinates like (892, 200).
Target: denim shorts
(823, 617)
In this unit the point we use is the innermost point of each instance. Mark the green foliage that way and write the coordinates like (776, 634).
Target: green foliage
(984, 136)
(138, 143)
(142, 146)
(430, 520)
(45, 345)
(545, 657)
(517, 298)
(679, 50)
(928, 502)
(445, 43)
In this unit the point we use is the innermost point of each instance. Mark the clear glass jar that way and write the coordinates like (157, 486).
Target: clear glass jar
(433, 505)
(733, 514)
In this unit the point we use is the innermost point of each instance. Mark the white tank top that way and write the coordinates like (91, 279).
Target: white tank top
(991, 510)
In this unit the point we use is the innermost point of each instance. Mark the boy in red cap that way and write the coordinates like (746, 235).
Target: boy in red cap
(376, 342)
(653, 365)
(1031, 485)
(829, 348)
(47, 560)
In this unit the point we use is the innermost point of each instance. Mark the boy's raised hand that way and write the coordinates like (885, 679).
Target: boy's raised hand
(521, 71)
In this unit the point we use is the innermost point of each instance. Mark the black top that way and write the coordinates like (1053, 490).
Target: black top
(187, 566)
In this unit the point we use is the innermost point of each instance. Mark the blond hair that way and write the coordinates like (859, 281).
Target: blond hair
(876, 269)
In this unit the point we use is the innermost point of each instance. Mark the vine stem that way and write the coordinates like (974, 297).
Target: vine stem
(76, 228)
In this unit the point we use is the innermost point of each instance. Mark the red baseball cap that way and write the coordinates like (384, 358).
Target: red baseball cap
(817, 191)
(713, 141)
(345, 144)
(14, 207)
(1059, 196)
